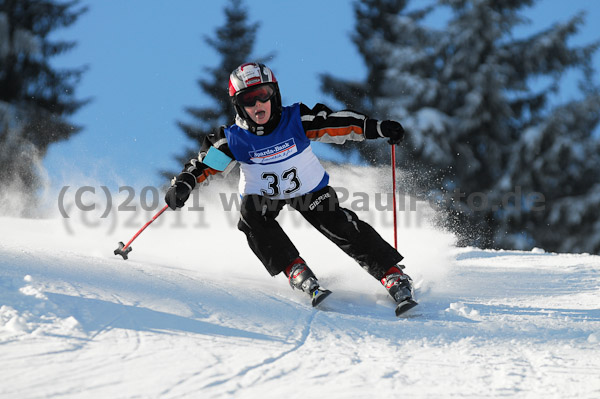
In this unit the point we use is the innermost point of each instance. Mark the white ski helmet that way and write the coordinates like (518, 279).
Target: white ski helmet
(250, 82)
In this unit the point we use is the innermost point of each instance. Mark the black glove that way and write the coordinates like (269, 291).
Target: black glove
(393, 130)
(180, 191)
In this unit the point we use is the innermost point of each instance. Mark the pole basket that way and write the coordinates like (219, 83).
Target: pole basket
(122, 250)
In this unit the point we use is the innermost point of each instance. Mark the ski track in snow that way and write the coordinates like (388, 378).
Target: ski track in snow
(193, 314)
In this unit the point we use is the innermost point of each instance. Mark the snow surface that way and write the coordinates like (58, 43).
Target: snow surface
(192, 314)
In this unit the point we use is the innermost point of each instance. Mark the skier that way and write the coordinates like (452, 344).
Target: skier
(271, 143)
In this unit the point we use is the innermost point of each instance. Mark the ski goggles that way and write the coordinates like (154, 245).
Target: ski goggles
(249, 97)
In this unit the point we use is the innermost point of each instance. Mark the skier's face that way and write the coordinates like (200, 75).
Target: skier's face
(260, 113)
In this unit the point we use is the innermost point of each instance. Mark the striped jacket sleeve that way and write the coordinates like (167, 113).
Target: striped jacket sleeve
(322, 124)
(196, 171)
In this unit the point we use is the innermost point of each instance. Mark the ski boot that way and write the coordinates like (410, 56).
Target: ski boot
(399, 286)
(301, 277)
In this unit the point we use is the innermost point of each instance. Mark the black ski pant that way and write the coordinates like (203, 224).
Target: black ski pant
(322, 210)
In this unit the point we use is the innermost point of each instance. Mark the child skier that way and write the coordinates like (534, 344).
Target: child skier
(272, 145)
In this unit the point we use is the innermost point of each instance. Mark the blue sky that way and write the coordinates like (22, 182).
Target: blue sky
(145, 57)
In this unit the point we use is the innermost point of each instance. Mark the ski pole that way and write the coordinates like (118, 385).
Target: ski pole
(394, 195)
(124, 249)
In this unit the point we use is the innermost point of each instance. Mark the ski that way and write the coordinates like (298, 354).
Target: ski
(319, 295)
(405, 305)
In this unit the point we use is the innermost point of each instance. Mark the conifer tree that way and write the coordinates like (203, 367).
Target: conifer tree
(384, 33)
(471, 113)
(557, 162)
(233, 41)
(35, 98)
(488, 102)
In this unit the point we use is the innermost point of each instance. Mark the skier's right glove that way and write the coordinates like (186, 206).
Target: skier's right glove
(180, 190)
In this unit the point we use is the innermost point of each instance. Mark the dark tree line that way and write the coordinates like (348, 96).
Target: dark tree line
(508, 166)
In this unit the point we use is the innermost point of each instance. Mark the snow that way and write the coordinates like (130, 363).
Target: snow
(193, 314)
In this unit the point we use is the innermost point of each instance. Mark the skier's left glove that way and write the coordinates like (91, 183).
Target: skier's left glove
(393, 130)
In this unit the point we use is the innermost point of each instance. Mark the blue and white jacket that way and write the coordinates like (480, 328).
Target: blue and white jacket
(280, 164)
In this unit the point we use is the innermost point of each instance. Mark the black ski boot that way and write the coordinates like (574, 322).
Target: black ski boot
(399, 286)
(301, 277)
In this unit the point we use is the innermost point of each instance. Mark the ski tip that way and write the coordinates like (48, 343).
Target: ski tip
(319, 295)
(404, 306)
